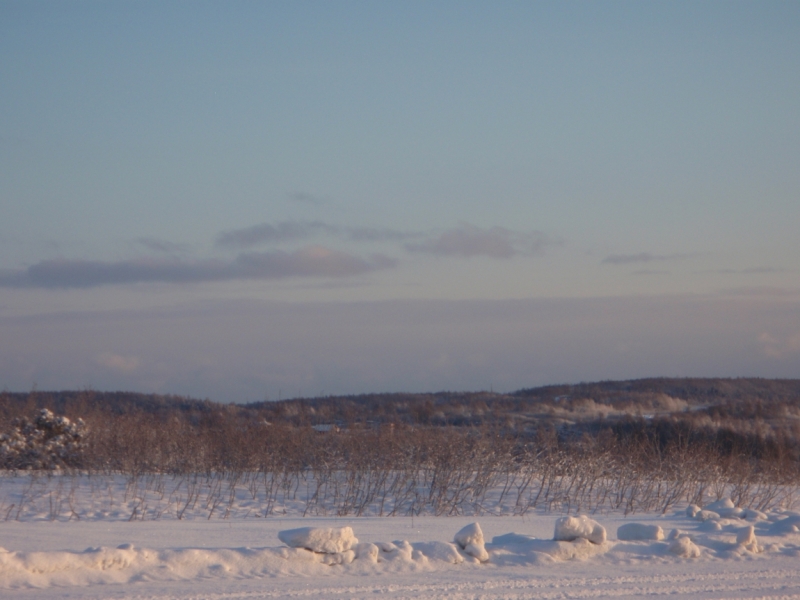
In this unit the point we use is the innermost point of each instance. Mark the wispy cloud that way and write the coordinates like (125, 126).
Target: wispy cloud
(748, 271)
(779, 346)
(265, 233)
(764, 291)
(643, 257)
(117, 362)
(287, 231)
(372, 234)
(313, 261)
(468, 241)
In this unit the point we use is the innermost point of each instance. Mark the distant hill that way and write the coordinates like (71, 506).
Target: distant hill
(742, 399)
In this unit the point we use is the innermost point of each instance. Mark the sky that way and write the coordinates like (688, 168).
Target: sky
(258, 200)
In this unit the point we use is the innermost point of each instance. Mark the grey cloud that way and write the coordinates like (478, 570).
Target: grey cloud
(370, 234)
(314, 261)
(748, 271)
(643, 257)
(759, 270)
(266, 233)
(764, 291)
(468, 241)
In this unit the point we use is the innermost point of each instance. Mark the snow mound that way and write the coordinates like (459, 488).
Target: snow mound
(367, 551)
(684, 547)
(320, 539)
(706, 515)
(710, 525)
(724, 508)
(754, 515)
(514, 549)
(747, 537)
(470, 540)
(787, 525)
(676, 533)
(441, 551)
(638, 531)
(569, 529)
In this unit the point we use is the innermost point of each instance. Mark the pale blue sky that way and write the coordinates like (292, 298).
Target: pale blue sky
(177, 156)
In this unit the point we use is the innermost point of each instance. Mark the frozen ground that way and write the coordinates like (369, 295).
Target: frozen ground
(242, 557)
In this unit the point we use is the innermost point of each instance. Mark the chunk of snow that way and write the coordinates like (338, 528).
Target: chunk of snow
(754, 515)
(706, 515)
(684, 547)
(478, 551)
(441, 551)
(471, 534)
(675, 534)
(724, 508)
(401, 551)
(569, 529)
(320, 539)
(710, 525)
(747, 538)
(722, 504)
(367, 551)
(470, 539)
(638, 531)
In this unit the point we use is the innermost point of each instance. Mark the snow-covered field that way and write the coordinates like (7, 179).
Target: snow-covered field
(722, 553)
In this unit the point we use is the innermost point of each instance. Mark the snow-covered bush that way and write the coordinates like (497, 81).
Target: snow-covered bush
(47, 442)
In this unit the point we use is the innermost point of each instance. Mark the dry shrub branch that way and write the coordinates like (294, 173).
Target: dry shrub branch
(206, 455)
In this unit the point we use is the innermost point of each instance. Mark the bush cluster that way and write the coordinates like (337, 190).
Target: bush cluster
(46, 442)
(404, 459)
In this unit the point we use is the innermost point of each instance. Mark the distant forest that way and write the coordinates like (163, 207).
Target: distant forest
(762, 407)
(642, 444)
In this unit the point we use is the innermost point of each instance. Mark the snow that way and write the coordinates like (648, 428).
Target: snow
(639, 531)
(247, 557)
(706, 515)
(684, 547)
(724, 507)
(470, 540)
(747, 538)
(569, 529)
(327, 540)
